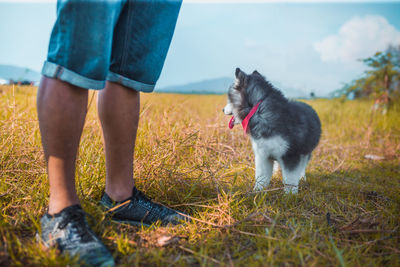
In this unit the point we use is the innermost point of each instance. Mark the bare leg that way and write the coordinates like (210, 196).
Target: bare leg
(61, 110)
(118, 109)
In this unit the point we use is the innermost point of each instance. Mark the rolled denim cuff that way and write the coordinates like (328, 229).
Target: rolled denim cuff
(135, 85)
(56, 71)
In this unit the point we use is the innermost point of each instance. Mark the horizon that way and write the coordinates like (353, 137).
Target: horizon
(307, 45)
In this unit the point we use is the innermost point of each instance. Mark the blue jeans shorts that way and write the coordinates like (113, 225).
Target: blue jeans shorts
(122, 41)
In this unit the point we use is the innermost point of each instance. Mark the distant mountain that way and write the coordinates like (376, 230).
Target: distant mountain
(220, 86)
(9, 72)
(210, 86)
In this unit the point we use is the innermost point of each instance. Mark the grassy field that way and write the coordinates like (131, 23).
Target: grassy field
(346, 213)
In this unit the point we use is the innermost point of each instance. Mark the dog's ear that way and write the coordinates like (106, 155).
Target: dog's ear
(256, 73)
(237, 71)
(240, 76)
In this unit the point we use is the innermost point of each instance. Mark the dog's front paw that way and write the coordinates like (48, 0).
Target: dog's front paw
(260, 184)
(293, 189)
(258, 187)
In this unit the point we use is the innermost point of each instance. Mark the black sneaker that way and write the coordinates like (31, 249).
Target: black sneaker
(140, 210)
(68, 230)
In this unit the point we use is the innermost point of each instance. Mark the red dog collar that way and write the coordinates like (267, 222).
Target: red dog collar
(245, 122)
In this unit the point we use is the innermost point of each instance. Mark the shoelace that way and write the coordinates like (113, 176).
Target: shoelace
(77, 218)
(156, 209)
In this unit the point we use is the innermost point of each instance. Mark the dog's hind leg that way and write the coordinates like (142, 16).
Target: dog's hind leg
(304, 162)
(292, 171)
(291, 179)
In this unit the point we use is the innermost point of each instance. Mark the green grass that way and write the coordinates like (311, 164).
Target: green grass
(346, 213)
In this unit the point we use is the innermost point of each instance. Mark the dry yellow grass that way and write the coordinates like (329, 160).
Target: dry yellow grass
(347, 213)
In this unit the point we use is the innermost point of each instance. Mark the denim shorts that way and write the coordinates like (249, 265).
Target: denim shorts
(122, 41)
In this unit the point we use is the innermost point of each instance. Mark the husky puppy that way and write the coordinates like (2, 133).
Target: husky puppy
(280, 130)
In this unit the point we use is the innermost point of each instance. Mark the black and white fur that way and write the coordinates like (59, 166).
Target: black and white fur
(281, 130)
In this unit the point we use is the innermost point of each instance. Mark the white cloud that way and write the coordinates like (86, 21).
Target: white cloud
(358, 38)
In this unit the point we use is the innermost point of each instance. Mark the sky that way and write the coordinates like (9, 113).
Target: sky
(307, 45)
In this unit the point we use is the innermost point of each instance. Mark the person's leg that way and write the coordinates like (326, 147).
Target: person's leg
(78, 57)
(140, 44)
(118, 109)
(61, 112)
(141, 40)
